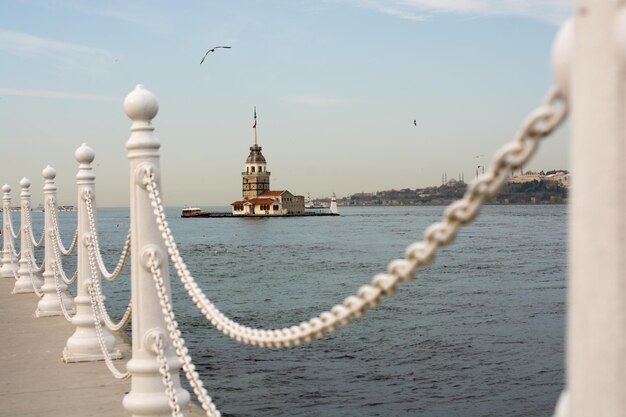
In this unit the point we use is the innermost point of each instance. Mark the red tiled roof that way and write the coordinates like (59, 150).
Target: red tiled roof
(272, 193)
(259, 201)
(238, 203)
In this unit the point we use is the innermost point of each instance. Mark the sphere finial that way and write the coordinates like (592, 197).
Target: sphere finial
(6, 188)
(84, 154)
(141, 105)
(49, 173)
(25, 183)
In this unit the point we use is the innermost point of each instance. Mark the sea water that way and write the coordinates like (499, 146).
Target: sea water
(480, 332)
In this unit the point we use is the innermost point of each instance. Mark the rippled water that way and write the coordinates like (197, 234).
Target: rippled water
(478, 333)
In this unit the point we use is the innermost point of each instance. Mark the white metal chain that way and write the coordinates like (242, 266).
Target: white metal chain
(9, 226)
(38, 244)
(31, 258)
(179, 343)
(11, 259)
(30, 273)
(59, 261)
(88, 197)
(95, 283)
(29, 225)
(14, 271)
(164, 369)
(539, 124)
(11, 247)
(55, 271)
(55, 225)
(95, 297)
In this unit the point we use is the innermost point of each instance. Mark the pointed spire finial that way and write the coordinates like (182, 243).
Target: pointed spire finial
(254, 126)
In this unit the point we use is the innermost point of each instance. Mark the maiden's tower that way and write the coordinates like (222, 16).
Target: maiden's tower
(258, 198)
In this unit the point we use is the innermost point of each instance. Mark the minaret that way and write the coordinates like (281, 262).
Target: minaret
(256, 178)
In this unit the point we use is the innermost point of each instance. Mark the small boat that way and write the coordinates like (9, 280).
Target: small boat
(191, 212)
(311, 205)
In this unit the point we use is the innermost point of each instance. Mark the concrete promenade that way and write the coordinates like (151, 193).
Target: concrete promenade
(34, 381)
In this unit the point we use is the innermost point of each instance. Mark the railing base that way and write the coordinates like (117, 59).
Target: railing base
(39, 313)
(22, 290)
(69, 357)
(25, 284)
(8, 270)
(50, 305)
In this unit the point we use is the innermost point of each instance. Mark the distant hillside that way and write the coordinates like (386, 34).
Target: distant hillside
(530, 188)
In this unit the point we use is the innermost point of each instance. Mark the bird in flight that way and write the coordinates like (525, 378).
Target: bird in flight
(213, 50)
(414, 122)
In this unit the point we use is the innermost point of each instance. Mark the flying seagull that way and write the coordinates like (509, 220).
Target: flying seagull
(213, 50)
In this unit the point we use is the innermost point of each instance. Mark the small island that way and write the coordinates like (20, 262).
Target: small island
(258, 199)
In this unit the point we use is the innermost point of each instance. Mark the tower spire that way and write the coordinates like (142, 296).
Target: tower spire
(254, 126)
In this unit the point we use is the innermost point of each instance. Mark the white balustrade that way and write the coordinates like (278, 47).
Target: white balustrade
(147, 396)
(49, 304)
(83, 345)
(28, 280)
(9, 260)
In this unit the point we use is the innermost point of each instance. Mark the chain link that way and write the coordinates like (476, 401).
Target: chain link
(95, 283)
(88, 197)
(55, 271)
(179, 343)
(9, 226)
(55, 226)
(96, 298)
(164, 369)
(38, 244)
(538, 125)
(12, 260)
(30, 273)
(31, 258)
(29, 225)
(11, 246)
(59, 261)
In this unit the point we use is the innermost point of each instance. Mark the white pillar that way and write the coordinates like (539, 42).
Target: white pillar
(27, 276)
(596, 323)
(9, 260)
(49, 304)
(147, 395)
(83, 345)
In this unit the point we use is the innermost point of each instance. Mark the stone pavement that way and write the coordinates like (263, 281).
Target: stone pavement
(34, 381)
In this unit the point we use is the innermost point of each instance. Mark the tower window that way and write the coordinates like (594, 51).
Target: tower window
(260, 169)
(252, 169)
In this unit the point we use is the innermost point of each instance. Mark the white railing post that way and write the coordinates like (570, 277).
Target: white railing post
(49, 305)
(27, 277)
(596, 330)
(147, 396)
(9, 260)
(83, 345)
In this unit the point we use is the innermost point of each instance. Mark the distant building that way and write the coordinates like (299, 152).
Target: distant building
(559, 177)
(258, 199)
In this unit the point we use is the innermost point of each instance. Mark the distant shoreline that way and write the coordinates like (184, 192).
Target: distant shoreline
(491, 203)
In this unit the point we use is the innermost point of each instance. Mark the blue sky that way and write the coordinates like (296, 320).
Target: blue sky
(337, 85)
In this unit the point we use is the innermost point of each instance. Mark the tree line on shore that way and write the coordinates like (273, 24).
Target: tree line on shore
(530, 192)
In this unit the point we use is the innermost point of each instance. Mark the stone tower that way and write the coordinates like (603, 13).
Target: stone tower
(256, 178)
